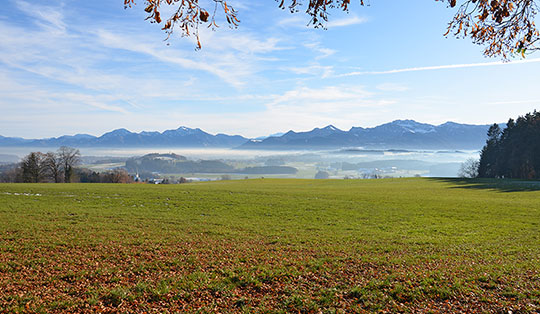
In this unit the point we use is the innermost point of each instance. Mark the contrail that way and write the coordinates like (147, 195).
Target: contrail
(441, 67)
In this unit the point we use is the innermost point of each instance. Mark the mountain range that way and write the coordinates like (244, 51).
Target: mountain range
(181, 137)
(396, 134)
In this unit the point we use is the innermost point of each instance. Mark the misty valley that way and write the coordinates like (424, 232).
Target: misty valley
(216, 164)
(401, 148)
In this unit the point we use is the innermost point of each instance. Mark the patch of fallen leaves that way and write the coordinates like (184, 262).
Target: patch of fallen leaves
(232, 275)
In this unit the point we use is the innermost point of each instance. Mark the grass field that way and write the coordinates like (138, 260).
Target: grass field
(267, 246)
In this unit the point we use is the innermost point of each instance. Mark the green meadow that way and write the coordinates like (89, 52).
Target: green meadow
(271, 246)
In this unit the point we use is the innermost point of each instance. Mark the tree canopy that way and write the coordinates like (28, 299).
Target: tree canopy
(513, 152)
(504, 27)
(38, 167)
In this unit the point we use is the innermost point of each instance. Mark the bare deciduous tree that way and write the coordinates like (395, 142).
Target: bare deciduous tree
(53, 167)
(69, 158)
(120, 176)
(11, 173)
(469, 168)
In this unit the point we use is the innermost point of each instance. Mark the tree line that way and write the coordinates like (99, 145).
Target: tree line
(58, 167)
(112, 176)
(512, 152)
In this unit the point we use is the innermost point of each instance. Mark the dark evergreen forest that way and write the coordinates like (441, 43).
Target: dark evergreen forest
(513, 152)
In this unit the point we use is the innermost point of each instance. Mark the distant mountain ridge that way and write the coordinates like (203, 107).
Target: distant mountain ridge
(181, 137)
(396, 134)
(407, 134)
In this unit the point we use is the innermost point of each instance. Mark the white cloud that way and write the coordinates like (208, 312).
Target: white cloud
(301, 108)
(72, 55)
(300, 95)
(45, 16)
(234, 58)
(330, 103)
(348, 21)
(94, 73)
(441, 67)
(32, 98)
(240, 5)
(77, 60)
(322, 52)
(117, 41)
(302, 21)
(316, 70)
(237, 40)
(296, 21)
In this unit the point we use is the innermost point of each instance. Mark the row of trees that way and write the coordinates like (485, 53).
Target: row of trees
(112, 176)
(513, 152)
(37, 167)
(58, 167)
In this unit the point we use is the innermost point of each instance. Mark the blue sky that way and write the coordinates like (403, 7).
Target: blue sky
(70, 67)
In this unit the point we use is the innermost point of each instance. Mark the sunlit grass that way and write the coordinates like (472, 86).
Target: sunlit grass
(271, 245)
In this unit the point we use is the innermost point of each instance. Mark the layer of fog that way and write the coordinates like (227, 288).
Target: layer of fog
(338, 163)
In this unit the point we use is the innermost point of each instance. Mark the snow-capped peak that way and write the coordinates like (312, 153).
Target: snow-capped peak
(414, 127)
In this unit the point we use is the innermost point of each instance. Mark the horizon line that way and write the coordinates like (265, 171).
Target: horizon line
(329, 125)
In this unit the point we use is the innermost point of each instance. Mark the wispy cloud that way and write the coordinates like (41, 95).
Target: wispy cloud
(77, 55)
(321, 52)
(233, 59)
(329, 93)
(112, 40)
(296, 21)
(318, 70)
(348, 21)
(240, 41)
(300, 21)
(95, 67)
(441, 67)
(48, 17)
(33, 98)
(102, 102)
(328, 101)
(515, 102)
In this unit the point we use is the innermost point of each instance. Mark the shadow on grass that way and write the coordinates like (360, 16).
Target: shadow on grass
(501, 185)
